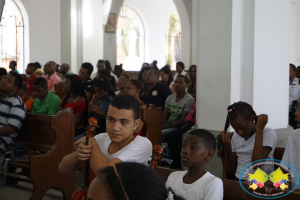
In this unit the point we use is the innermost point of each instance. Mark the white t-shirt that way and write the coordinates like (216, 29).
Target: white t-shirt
(208, 187)
(292, 154)
(244, 149)
(176, 74)
(139, 150)
(115, 76)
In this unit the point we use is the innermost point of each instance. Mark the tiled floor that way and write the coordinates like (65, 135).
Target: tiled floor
(22, 191)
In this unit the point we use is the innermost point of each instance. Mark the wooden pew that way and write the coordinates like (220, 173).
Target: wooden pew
(164, 172)
(278, 154)
(234, 191)
(53, 137)
(151, 115)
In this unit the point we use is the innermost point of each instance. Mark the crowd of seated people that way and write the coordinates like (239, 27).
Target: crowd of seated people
(119, 135)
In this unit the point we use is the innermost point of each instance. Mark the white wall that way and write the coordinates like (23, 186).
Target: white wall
(214, 63)
(295, 33)
(44, 30)
(109, 39)
(92, 31)
(243, 51)
(271, 58)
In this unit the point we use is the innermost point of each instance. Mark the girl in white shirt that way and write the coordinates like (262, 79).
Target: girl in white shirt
(251, 140)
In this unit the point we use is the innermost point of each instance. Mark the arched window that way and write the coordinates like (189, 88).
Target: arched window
(130, 39)
(173, 41)
(12, 36)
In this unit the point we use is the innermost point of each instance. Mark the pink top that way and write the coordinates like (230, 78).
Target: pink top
(191, 117)
(52, 81)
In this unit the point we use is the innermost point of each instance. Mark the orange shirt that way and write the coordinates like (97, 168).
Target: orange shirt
(28, 104)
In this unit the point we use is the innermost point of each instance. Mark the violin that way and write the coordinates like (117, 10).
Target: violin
(157, 156)
(88, 174)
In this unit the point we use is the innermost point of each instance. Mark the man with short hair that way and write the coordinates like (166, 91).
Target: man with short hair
(12, 109)
(177, 108)
(100, 65)
(45, 101)
(156, 92)
(63, 70)
(51, 76)
(30, 70)
(3, 73)
(117, 145)
(13, 66)
(85, 75)
(154, 64)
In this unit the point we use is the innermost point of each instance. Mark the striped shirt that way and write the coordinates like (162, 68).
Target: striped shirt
(12, 113)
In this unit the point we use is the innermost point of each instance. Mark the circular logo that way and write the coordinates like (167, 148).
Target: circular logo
(268, 178)
(154, 93)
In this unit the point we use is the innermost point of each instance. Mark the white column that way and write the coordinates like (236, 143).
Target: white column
(271, 60)
(65, 31)
(214, 62)
(243, 55)
(92, 31)
(194, 33)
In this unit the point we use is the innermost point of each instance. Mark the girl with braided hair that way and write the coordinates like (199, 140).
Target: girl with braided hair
(251, 140)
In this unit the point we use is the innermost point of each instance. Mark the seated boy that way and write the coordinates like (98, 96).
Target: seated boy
(117, 145)
(45, 102)
(292, 149)
(196, 183)
(23, 93)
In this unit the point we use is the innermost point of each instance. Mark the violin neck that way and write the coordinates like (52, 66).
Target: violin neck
(86, 168)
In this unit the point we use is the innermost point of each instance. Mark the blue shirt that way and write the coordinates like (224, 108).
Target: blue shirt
(105, 104)
(16, 71)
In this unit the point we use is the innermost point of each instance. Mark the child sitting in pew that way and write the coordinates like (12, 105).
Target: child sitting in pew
(45, 101)
(292, 149)
(23, 93)
(196, 183)
(251, 140)
(117, 145)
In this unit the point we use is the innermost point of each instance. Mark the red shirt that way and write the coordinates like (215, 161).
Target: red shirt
(29, 83)
(77, 107)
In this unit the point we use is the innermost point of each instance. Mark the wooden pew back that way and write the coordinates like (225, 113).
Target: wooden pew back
(37, 133)
(164, 172)
(53, 137)
(151, 115)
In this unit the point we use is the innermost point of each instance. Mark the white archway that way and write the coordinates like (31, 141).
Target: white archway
(26, 34)
(186, 31)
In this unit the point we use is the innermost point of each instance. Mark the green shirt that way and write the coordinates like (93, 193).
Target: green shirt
(49, 106)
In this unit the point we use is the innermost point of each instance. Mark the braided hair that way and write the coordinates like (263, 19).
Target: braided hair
(239, 109)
